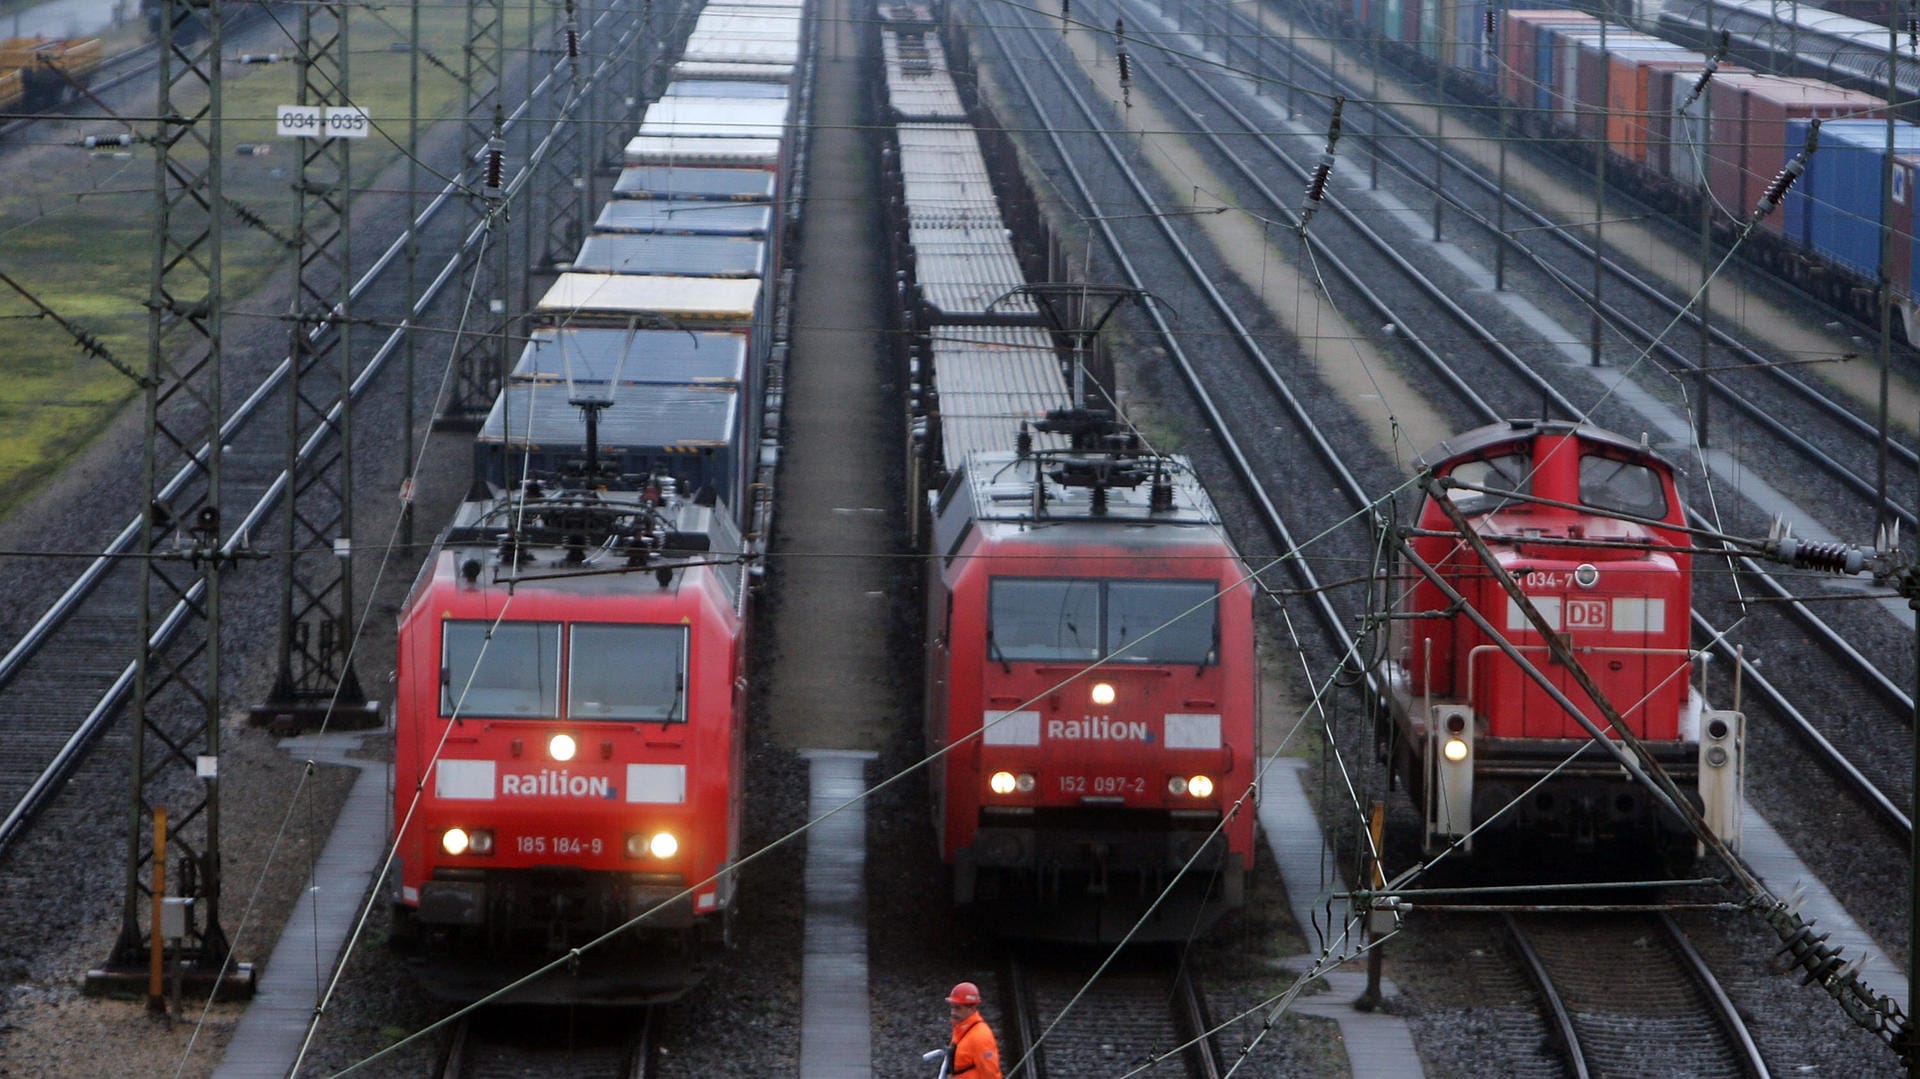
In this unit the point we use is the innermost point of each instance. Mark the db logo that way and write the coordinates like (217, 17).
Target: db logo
(1586, 614)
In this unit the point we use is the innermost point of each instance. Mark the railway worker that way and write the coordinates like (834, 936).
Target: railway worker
(973, 1052)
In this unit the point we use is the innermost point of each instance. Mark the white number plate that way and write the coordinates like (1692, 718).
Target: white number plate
(319, 121)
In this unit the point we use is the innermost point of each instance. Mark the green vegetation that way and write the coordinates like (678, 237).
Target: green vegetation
(76, 229)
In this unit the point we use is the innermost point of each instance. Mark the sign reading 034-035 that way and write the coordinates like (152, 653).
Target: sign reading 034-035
(321, 122)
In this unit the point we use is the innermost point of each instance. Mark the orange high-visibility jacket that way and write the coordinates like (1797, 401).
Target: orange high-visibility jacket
(975, 1054)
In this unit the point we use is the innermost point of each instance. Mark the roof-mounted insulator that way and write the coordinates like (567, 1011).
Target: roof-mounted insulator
(1777, 190)
(1322, 172)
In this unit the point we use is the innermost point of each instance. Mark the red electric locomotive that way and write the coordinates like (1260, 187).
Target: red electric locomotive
(1587, 524)
(1091, 664)
(569, 750)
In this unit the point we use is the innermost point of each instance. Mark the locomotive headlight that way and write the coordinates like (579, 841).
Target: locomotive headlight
(1455, 750)
(460, 841)
(562, 747)
(1200, 786)
(657, 845)
(1177, 785)
(1009, 782)
(1103, 693)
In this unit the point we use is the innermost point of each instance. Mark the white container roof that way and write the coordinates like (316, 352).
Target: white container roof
(989, 380)
(738, 72)
(690, 150)
(683, 299)
(716, 117)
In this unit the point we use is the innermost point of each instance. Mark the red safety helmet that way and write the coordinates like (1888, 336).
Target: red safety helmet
(964, 993)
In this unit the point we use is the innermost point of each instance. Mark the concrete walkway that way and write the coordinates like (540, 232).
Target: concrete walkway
(1379, 1046)
(275, 1025)
(835, 1033)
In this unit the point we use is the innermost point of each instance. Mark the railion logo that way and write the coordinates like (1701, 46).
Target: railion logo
(1099, 729)
(562, 784)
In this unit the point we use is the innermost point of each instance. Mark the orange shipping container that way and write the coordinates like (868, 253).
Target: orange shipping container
(1631, 120)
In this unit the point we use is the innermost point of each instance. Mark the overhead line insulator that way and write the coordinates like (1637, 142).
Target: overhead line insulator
(1777, 190)
(1322, 172)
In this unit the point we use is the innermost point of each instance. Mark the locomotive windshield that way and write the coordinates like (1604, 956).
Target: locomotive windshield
(1036, 619)
(516, 673)
(627, 673)
(1506, 472)
(1121, 621)
(1622, 486)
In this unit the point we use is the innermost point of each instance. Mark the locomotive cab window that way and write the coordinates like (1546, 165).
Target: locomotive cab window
(1125, 621)
(1506, 472)
(516, 673)
(1036, 620)
(1162, 622)
(1622, 486)
(627, 673)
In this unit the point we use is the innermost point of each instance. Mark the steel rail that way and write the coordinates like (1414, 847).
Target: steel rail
(1220, 429)
(1020, 1023)
(38, 635)
(1563, 1027)
(1249, 478)
(1403, 131)
(1831, 755)
(1190, 1020)
(1728, 1016)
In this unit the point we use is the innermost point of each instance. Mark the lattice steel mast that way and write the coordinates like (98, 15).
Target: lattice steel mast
(316, 682)
(177, 704)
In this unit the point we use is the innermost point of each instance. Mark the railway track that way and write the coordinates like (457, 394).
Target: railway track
(1144, 1014)
(1628, 995)
(1287, 442)
(616, 1043)
(1773, 387)
(56, 693)
(1467, 364)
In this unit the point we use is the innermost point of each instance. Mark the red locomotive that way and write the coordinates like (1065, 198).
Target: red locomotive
(1091, 665)
(569, 750)
(1588, 525)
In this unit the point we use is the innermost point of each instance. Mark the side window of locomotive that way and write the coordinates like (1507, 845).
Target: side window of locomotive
(1036, 620)
(515, 674)
(1507, 472)
(1622, 486)
(635, 673)
(1162, 622)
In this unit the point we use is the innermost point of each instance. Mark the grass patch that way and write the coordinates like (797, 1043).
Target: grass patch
(76, 228)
